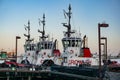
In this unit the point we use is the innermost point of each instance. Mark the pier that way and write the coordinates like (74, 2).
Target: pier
(26, 74)
(22, 74)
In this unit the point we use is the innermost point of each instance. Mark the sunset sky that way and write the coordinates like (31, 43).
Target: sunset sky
(86, 16)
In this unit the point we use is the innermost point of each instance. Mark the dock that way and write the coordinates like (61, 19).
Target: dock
(25, 74)
(22, 74)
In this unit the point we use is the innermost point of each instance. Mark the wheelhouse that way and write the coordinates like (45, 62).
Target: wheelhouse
(71, 42)
(30, 47)
(45, 45)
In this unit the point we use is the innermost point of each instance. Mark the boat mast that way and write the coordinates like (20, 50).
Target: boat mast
(43, 37)
(69, 19)
(27, 28)
(69, 14)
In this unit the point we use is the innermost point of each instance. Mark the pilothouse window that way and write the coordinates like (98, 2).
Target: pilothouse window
(66, 43)
(27, 47)
(50, 46)
(45, 45)
(71, 43)
(30, 47)
(77, 43)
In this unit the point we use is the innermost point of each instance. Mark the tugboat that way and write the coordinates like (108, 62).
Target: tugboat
(78, 62)
(37, 53)
(74, 53)
(29, 47)
(46, 48)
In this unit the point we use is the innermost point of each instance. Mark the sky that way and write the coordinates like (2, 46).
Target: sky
(86, 14)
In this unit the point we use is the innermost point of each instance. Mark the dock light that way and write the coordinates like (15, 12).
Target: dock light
(99, 44)
(17, 37)
(103, 25)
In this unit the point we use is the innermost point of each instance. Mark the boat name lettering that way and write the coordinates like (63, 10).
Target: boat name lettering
(79, 61)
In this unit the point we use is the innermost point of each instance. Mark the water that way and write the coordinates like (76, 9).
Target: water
(114, 75)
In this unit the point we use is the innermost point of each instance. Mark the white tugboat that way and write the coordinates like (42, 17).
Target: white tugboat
(78, 62)
(37, 53)
(76, 51)
(46, 48)
(29, 56)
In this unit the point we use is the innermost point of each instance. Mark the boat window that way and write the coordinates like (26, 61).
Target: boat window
(49, 45)
(71, 43)
(77, 43)
(38, 45)
(66, 43)
(42, 46)
(33, 47)
(45, 46)
(27, 47)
